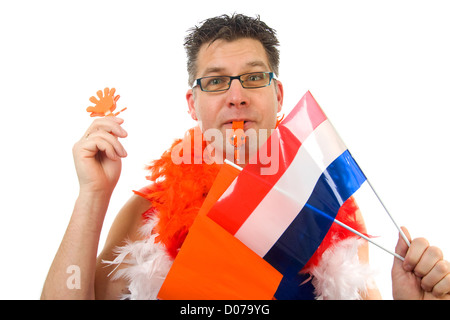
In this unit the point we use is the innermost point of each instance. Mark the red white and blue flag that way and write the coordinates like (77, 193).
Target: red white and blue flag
(276, 215)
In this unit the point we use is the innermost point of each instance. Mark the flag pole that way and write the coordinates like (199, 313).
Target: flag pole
(327, 216)
(396, 225)
(354, 231)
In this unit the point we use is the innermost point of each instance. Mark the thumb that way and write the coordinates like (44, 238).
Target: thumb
(402, 247)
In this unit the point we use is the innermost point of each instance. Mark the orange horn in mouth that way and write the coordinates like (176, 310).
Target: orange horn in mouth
(237, 138)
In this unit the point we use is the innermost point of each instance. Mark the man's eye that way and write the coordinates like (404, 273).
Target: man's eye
(215, 81)
(254, 78)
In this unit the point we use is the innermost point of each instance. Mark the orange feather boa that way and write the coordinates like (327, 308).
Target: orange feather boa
(177, 192)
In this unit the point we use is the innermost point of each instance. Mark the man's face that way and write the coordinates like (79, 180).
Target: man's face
(258, 108)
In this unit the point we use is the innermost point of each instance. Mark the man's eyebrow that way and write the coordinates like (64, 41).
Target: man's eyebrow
(213, 70)
(257, 63)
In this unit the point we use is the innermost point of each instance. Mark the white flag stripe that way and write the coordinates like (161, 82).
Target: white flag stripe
(276, 212)
(367, 201)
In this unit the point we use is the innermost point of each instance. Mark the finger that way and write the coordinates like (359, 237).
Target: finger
(100, 137)
(90, 147)
(107, 148)
(96, 145)
(113, 90)
(106, 90)
(100, 94)
(414, 253)
(428, 260)
(402, 247)
(108, 124)
(116, 119)
(442, 287)
(439, 273)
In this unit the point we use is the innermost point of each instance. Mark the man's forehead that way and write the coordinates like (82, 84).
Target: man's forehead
(222, 55)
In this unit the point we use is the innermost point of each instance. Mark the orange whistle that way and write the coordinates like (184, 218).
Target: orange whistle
(105, 104)
(238, 137)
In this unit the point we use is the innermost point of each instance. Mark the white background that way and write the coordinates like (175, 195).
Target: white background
(379, 69)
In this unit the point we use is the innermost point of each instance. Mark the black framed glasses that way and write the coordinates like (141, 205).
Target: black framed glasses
(251, 80)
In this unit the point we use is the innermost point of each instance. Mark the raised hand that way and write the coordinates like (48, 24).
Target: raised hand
(98, 154)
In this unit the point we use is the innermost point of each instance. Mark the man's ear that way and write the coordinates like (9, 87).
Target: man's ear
(191, 104)
(280, 94)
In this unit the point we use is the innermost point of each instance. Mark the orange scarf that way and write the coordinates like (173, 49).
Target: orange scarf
(177, 192)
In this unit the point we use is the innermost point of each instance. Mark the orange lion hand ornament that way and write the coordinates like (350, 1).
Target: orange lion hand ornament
(105, 105)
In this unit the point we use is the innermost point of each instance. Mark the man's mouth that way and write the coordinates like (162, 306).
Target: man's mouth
(229, 124)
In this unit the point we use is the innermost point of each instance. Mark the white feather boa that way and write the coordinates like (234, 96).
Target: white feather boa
(147, 265)
(338, 276)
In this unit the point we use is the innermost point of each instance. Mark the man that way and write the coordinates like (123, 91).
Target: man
(222, 46)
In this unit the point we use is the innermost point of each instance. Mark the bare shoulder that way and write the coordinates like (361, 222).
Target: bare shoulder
(127, 222)
(125, 227)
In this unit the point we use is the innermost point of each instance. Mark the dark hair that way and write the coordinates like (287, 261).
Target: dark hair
(230, 28)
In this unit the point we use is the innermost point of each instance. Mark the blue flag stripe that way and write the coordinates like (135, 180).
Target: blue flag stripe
(303, 236)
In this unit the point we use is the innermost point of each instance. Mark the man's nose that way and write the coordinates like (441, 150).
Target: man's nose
(237, 95)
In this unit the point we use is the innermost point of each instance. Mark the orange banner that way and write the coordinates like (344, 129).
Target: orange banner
(213, 265)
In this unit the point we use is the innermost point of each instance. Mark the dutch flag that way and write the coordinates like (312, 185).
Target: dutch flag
(281, 217)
